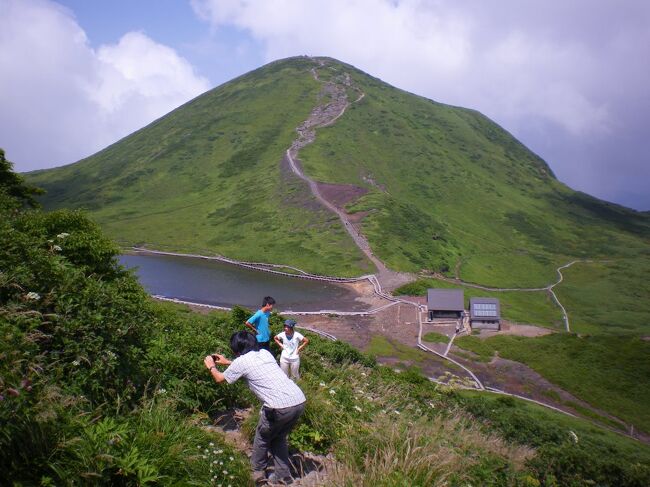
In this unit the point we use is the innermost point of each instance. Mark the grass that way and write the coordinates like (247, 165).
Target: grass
(609, 372)
(433, 337)
(609, 297)
(380, 346)
(522, 421)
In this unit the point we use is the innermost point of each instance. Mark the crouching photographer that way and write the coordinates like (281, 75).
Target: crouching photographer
(282, 402)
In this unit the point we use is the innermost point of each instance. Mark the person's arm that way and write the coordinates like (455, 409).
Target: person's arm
(303, 343)
(275, 338)
(250, 321)
(211, 365)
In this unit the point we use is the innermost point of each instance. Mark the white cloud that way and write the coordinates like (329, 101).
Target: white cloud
(62, 100)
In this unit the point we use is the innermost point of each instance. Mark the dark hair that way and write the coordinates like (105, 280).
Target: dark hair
(267, 300)
(242, 342)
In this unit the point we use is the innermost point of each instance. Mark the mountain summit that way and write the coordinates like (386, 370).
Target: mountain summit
(313, 163)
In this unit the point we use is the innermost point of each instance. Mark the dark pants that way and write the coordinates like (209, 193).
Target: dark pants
(271, 437)
(264, 345)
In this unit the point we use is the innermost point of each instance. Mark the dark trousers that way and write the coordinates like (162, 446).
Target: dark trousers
(271, 437)
(264, 345)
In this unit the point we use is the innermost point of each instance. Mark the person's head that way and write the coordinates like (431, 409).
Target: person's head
(289, 325)
(242, 342)
(267, 303)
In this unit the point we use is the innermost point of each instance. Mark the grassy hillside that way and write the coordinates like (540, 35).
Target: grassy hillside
(207, 179)
(608, 297)
(447, 189)
(610, 373)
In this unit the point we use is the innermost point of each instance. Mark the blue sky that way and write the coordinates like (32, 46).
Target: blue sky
(216, 53)
(570, 79)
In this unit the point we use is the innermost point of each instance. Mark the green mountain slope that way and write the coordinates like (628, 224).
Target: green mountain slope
(206, 178)
(441, 188)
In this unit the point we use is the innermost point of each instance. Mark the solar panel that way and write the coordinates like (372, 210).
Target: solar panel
(485, 309)
(482, 312)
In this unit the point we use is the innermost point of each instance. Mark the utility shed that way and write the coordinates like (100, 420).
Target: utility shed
(485, 313)
(445, 303)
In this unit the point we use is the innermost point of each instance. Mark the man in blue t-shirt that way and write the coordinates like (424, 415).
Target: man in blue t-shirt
(259, 323)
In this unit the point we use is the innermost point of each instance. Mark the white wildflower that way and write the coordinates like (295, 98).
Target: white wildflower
(225, 472)
(76, 363)
(322, 384)
(63, 235)
(214, 451)
(219, 452)
(211, 444)
(358, 408)
(231, 458)
(57, 248)
(33, 296)
(574, 437)
(220, 463)
(215, 462)
(162, 390)
(332, 391)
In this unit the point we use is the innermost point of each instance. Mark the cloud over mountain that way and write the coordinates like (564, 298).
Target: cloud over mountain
(62, 100)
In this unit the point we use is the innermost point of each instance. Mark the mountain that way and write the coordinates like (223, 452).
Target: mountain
(432, 187)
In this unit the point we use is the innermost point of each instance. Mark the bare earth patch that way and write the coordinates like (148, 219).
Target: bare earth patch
(508, 328)
(340, 194)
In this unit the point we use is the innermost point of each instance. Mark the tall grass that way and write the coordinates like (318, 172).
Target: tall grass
(424, 452)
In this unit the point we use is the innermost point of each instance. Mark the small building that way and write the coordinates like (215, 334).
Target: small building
(485, 313)
(445, 303)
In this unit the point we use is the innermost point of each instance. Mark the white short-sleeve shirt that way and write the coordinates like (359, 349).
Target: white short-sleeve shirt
(290, 350)
(265, 379)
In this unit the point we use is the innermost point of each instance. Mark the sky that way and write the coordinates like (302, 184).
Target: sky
(569, 79)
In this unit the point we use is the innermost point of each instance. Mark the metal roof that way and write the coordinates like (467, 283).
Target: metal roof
(484, 309)
(446, 299)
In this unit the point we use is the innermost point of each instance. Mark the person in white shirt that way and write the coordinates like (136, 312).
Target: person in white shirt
(292, 343)
(283, 402)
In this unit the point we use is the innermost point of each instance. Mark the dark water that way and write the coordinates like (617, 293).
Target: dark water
(217, 283)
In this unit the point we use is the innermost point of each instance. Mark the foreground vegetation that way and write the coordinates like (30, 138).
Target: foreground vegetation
(99, 385)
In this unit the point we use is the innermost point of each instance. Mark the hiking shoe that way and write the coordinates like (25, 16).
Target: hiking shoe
(259, 477)
(275, 480)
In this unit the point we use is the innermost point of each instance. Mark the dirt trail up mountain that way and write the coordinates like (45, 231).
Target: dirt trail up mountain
(333, 101)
